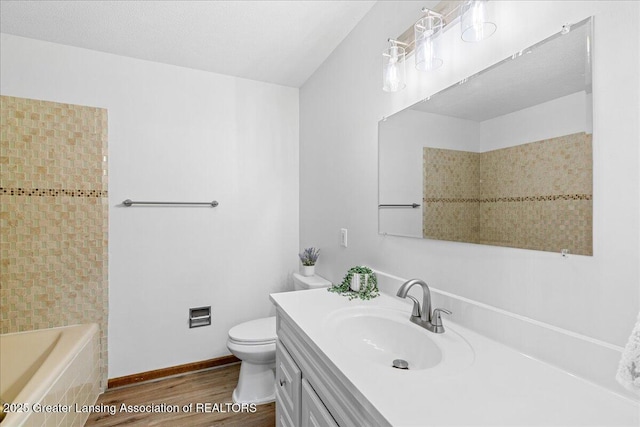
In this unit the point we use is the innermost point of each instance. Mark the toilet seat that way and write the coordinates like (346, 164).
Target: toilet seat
(254, 332)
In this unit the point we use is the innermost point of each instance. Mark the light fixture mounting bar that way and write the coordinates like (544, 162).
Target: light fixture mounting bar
(449, 9)
(396, 42)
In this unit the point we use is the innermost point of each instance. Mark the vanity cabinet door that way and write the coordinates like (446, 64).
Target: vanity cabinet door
(288, 377)
(314, 413)
(283, 418)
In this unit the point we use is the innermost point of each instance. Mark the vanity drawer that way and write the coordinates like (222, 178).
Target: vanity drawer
(288, 383)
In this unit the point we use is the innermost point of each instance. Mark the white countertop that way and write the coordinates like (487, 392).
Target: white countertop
(500, 387)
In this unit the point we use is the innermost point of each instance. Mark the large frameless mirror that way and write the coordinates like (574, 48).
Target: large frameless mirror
(502, 158)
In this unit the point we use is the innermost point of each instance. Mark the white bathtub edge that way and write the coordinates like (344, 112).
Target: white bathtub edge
(75, 339)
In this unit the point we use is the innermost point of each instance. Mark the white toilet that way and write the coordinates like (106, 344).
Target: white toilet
(254, 343)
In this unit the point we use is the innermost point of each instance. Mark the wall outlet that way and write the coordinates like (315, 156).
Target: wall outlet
(343, 237)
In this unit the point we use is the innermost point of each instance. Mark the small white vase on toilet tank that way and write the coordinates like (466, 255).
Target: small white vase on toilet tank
(308, 270)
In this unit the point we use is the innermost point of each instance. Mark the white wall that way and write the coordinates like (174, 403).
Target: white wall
(339, 110)
(562, 116)
(177, 134)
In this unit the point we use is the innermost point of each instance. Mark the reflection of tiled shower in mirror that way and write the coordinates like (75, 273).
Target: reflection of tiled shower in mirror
(511, 166)
(533, 196)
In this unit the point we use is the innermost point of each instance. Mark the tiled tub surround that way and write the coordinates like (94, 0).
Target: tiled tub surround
(502, 386)
(531, 196)
(58, 367)
(53, 215)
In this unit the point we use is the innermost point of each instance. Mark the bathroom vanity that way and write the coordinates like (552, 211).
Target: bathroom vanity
(334, 367)
(307, 382)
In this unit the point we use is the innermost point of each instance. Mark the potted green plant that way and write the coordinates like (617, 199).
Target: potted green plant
(359, 282)
(308, 257)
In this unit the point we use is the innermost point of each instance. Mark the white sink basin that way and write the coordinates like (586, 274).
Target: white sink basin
(379, 336)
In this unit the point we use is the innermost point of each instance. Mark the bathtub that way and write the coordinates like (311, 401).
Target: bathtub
(48, 375)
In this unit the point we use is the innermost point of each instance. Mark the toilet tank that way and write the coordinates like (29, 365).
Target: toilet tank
(301, 282)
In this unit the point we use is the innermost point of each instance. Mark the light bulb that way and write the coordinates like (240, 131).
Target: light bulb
(393, 71)
(427, 32)
(475, 23)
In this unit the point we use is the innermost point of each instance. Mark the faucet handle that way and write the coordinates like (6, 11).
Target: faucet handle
(416, 307)
(436, 320)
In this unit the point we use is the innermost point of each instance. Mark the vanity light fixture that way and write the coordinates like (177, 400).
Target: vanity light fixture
(475, 25)
(427, 41)
(424, 38)
(393, 67)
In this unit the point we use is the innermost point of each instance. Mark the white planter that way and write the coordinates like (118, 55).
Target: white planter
(308, 270)
(355, 285)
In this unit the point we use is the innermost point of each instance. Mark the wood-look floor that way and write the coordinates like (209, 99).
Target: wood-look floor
(213, 386)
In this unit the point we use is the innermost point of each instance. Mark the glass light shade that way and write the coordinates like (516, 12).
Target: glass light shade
(393, 69)
(427, 31)
(475, 23)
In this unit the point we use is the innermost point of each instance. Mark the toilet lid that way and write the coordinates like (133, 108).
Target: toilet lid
(256, 331)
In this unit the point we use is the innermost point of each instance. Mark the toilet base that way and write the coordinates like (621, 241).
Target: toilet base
(267, 399)
(256, 383)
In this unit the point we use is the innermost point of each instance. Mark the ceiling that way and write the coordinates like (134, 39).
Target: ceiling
(555, 67)
(280, 42)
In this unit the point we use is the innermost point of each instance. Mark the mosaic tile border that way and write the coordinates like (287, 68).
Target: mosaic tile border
(449, 200)
(52, 192)
(511, 199)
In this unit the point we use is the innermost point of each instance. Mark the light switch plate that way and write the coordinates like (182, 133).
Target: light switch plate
(343, 237)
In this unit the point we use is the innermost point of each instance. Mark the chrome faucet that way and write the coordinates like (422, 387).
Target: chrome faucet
(422, 316)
